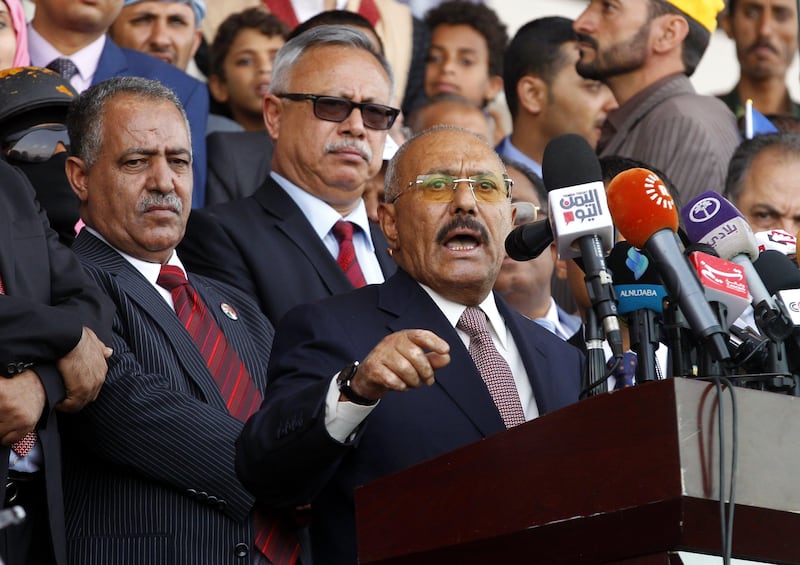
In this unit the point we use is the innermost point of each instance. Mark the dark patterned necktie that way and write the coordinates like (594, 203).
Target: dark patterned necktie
(625, 374)
(343, 232)
(492, 366)
(274, 534)
(64, 67)
(23, 446)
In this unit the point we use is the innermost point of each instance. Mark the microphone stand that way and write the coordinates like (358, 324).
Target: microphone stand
(679, 341)
(643, 332)
(595, 355)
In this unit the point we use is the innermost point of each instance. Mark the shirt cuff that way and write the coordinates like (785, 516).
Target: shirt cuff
(343, 418)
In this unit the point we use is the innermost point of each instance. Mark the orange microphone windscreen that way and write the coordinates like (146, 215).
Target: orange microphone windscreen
(640, 205)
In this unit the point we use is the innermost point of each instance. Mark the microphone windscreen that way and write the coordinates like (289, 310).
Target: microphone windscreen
(777, 271)
(779, 240)
(712, 219)
(569, 160)
(629, 266)
(641, 205)
(636, 282)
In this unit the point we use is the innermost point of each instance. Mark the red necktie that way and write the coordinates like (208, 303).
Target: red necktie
(493, 368)
(343, 232)
(274, 535)
(23, 446)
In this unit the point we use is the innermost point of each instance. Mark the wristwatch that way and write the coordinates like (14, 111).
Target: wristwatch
(343, 382)
(14, 368)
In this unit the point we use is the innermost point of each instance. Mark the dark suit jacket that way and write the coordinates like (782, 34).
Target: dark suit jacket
(116, 61)
(285, 455)
(264, 245)
(151, 478)
(48, 299)
(238, 163)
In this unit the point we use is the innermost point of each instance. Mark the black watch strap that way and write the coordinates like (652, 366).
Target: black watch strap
(343, 381)
(14, 368)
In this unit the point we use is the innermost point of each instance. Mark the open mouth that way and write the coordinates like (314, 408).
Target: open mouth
(463, 241)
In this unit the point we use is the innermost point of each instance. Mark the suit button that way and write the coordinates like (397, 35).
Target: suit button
(222, 505)
(241, 550)
(212, 500)
(192, 493)
(202, 496)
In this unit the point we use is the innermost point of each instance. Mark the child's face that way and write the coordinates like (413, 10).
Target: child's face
(458, 63)
(248, 69)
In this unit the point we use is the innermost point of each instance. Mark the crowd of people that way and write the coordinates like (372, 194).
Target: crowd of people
(252, 253)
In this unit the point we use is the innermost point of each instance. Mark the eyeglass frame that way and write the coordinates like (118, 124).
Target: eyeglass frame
(299, 97)
(507, 181)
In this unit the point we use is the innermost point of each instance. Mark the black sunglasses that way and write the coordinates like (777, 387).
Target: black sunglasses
(35, 144)
(336, 109)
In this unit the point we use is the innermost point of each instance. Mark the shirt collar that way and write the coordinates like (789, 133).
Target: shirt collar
(453, 310)
(148, 270)
(321, 215)
(512, 153)
(86, 59)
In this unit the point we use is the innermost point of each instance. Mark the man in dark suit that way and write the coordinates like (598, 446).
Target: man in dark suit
(238, 163)
(51, 359)
(373, 381)
(279, 244)
(75, 31)
(151, 473)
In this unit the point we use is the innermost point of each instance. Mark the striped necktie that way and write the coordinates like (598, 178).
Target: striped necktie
(274, 534)
(64, 67)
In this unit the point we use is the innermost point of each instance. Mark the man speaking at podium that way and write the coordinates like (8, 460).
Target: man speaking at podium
(376, 380)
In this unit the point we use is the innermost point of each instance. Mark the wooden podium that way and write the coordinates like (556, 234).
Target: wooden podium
(625, 477)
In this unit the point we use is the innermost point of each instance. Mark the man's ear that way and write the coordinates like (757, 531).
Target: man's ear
(77, 175)
(198, 39)
(388, 222)
(532, 94)
(669, 32)
(272, 110)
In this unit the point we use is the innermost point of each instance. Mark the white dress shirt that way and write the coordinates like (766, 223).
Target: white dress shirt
(86, 60)
(342, 418)
(322, 217)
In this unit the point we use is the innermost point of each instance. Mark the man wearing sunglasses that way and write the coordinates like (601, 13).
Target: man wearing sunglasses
(328, 113)
(373, 381)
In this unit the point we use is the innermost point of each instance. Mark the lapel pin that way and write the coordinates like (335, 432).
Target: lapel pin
(229, 311)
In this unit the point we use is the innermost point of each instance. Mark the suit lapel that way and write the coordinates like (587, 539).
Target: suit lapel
(402, 297)
(537, 363)
(293, 223)
(112, 62)
(142, 293)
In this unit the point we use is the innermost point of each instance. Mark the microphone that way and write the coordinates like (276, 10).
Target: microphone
(581, 222)
(778, 240)
(712, 219)
(644, 212)
(641, 299)
(528, 241)
(724, 282)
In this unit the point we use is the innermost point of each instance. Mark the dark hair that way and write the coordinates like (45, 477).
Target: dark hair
(478, 16)
(412, 120)
(696, 41)
(748, 150)
(252, 18)
(612, 165)
(536, 50)
(536, 181)
(336, 17)
(87, 112)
